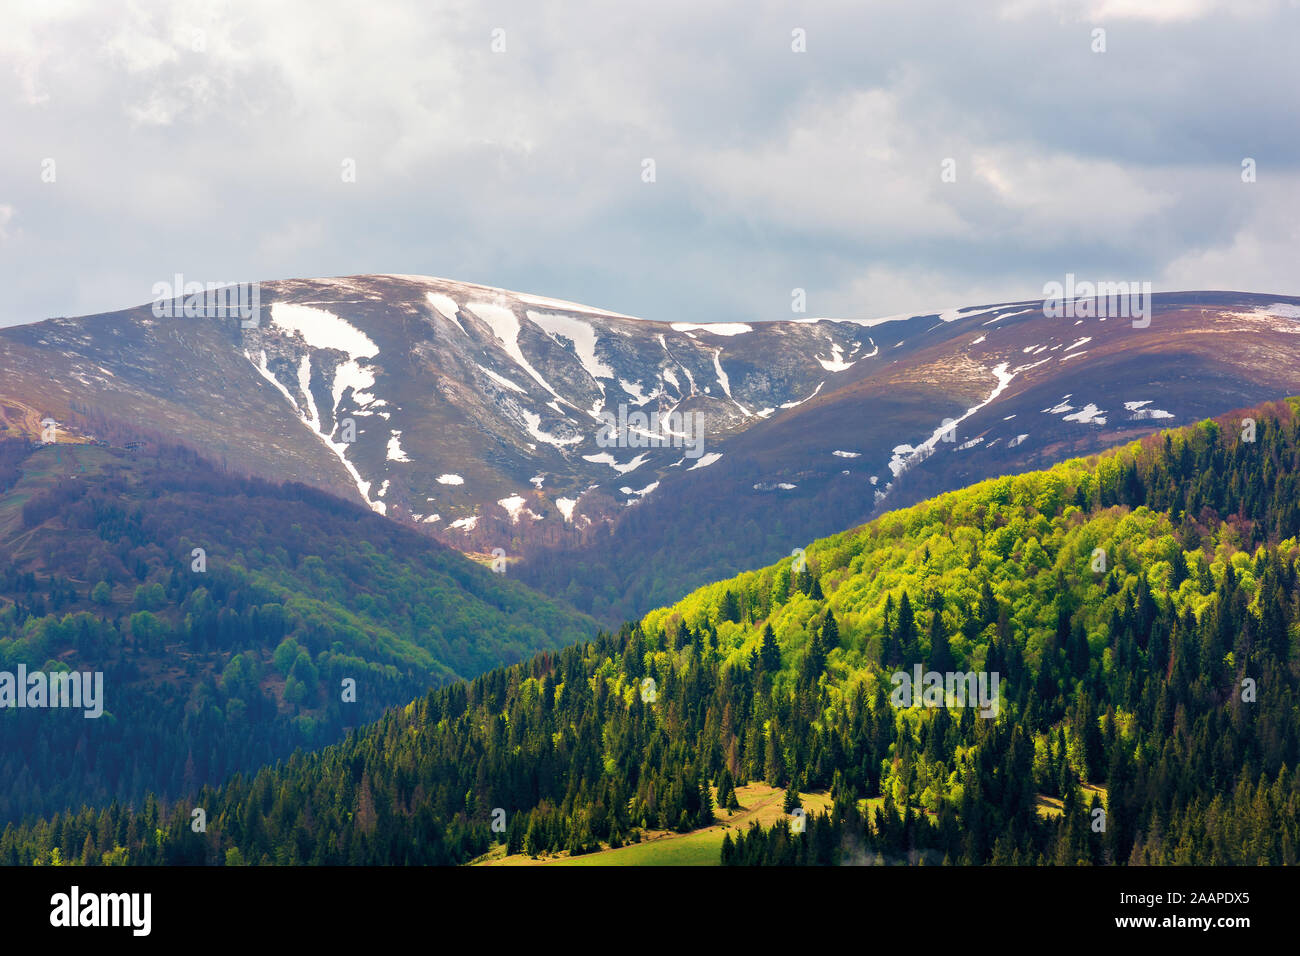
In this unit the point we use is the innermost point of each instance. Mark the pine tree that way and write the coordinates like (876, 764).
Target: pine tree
(791, 802)
(774, 771)
(770, 653)
(705, 817)
(830, 632)
(814, 659)
(906, 630)
(940, 655)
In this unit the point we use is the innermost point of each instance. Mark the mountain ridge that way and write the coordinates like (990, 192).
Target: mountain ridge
(477, 411)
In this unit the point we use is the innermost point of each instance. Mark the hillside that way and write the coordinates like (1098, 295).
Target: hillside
(1140, 608)
(1023, 390)
(231, 663)
(433, 401)
(476, 414)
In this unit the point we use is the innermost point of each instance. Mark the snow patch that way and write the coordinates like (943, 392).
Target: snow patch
(724, 381)
(1060, 408)
(564, 306)
(1089, 414)
(500, 379)
(1144, 414)
(505, 326)
(514, 506)
(643, 492)
(1007, 315)
(534, 422)
(836, 363)
(905, 456)
(810, 397)
(581, 334)
(445, 306)
(605, 458)
(311, 418)
(634, 389)
(395, 452)
(716, 328)
(323, 330)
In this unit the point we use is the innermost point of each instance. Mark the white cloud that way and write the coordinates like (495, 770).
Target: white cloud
(848, 166)
(1259, 256)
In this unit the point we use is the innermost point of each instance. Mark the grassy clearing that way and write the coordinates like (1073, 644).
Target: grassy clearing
(1054, 806)
(41, 470)
(758, 802)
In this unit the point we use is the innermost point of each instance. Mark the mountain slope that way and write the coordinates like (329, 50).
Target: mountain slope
(476, 412)
(462, 396)
(1159, 687)
(1020, 396)
(232, 662)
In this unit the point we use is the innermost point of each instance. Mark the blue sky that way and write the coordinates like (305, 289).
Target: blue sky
(211, 139)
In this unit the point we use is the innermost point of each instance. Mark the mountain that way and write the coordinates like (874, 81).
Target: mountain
(225, 615)
(1130, 620)
(470, 404)
(1024, 391)
(476, 412)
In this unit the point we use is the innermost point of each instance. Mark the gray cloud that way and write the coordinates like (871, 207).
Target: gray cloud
(209, 139)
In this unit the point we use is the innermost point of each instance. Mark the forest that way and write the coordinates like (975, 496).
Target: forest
(234, 664)
(1140, 606)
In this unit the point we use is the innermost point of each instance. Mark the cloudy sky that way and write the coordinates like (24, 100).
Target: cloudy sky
(506, 142)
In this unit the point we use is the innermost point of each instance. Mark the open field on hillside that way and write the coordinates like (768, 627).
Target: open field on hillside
(758, 802)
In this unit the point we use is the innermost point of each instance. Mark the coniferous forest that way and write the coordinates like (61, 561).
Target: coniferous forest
(1140, 607)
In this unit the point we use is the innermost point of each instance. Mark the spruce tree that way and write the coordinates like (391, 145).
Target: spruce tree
(830, 633)
(906, 630)
(705, 816)
(770, 653)
(792, 801)
(940, 654)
